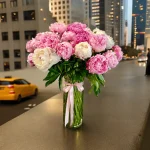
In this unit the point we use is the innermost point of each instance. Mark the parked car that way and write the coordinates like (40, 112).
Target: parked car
(142, 57)
(14, 89)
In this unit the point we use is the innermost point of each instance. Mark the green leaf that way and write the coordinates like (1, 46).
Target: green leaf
(51, 79)
(96, 82)
(60, 81)
(101, 79)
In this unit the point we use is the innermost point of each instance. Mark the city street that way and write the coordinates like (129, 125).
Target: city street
(120, 116)
(10, 110)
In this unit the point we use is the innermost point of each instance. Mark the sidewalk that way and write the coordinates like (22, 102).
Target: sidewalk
(113, 121)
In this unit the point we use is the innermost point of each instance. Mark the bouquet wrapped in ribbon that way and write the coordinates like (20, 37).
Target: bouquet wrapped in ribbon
(73, 52)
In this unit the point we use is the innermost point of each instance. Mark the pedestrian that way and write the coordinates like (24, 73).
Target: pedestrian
(148, 63)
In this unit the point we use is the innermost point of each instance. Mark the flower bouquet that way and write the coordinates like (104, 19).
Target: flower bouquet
(73, 52)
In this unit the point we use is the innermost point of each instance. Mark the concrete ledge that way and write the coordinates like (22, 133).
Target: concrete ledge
(112, 121)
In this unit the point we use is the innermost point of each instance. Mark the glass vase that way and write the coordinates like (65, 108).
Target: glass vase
(77, 95)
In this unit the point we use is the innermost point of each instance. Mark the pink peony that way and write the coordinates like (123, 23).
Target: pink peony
(58, 27)
(29, 59)
(68, 36)
(47, 39)
(64, 50)
(98, 42)
(76, 27)
(97, 64)
(111, 58)
(30, 46)
(82, 37)
(118, 52)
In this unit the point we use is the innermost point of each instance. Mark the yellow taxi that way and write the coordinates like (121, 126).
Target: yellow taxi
(16, 88)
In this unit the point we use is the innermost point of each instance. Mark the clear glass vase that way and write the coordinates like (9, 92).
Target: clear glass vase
(77, 120)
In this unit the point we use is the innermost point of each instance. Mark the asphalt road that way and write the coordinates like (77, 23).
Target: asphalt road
(10, 110)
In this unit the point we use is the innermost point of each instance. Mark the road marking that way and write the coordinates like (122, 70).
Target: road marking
(30, 105)
(27, 108)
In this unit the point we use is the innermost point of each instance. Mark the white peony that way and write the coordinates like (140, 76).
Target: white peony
(110, 42)
(45, 58)
(98, 31)
(83, 50)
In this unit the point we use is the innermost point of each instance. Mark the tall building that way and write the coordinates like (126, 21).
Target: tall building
(114, 20)
(94, 13)
(86, 12)
(128, 22)
(138, 22)
(109, 15)
(20, 20)
(67, 11)
(147, 28)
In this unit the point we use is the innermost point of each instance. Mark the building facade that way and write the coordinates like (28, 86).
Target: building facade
(20, 20)
(114, 20)
(138, 22)
(67, 11)
(94, 13)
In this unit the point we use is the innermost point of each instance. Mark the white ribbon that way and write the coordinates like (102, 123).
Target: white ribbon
(70, 100)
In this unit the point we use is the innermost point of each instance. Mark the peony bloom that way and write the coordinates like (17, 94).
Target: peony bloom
(98, 42)
(64, 50)
(58, 28)
(110, 42)
(82, 37)
(111, 58)
(83, 50)
(68, 37)
(76, 27)
(31, 45)
(47, 39)
(29, 60)
(118, 52)
(97, 64)
(98, 31)
(45, 58)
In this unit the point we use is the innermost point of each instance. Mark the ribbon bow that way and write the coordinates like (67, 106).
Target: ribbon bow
(70, 100)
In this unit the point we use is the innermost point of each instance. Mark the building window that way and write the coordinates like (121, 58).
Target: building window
(3, 17)
(4, 36)
(17, 64)
(64, 17)
(29, 15)
(30, 34)
(5, 53)
(63, 12)
(2, 4)
(16, 35)
(28, 2)
(17, 53)
(14, 16)
(13, 3)
(6, 66)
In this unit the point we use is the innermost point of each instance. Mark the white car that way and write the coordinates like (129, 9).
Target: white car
(142, 57)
